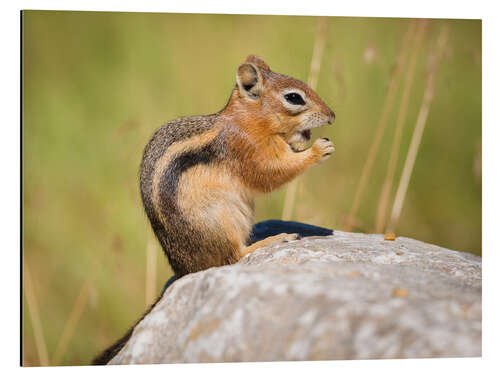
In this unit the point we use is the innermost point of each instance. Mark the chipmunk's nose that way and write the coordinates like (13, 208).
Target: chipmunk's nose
(332, 117)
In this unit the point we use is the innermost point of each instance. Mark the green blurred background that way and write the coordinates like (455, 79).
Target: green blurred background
(96, 85)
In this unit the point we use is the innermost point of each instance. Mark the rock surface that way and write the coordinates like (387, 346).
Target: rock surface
(344, 296)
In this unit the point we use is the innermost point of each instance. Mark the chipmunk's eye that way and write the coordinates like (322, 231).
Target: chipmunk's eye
(294, 98)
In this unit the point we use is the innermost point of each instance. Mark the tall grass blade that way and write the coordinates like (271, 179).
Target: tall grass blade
(312, 81)
(389, 100)
(417, 134)
(74, 318)
(31, 300)
(396, 143)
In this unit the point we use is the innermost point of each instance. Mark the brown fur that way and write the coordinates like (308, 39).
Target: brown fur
(199, 175)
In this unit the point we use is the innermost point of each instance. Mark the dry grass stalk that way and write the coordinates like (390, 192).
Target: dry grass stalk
(396, 143)
(417, 133)
(74, 317)
(150, 270)
(312, 81)
(29, 292)
(319, 47)
(389, 100)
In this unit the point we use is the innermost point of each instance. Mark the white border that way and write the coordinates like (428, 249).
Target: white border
(350, 8)
(434, 9)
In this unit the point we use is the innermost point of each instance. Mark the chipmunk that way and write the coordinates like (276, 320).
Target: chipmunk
(199, 175)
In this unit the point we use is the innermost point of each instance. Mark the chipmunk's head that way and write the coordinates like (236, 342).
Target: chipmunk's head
(285, 105)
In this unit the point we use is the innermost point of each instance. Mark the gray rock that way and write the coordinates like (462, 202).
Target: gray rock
(344, 296)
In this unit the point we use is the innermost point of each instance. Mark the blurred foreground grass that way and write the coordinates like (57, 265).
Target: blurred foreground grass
(96, 85)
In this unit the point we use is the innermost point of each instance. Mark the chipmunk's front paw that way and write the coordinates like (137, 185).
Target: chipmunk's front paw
(272, 240)
(323, 149)
(286, 237)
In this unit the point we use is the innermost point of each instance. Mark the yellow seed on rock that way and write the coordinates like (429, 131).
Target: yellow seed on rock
(390, 236)
(353, 274)
(400, 292)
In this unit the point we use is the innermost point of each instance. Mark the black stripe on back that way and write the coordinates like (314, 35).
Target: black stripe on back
(204, 155)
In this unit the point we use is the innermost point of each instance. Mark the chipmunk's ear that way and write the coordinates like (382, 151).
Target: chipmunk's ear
(257, 61)
(249, 80)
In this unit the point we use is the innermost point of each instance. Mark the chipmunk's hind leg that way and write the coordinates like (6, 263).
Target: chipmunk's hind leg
(273, 240)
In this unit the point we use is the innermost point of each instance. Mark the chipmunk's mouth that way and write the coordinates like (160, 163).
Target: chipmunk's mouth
(306, 134)
(299, 139)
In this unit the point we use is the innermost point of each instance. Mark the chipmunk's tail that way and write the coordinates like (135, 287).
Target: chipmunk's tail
(109, 353)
